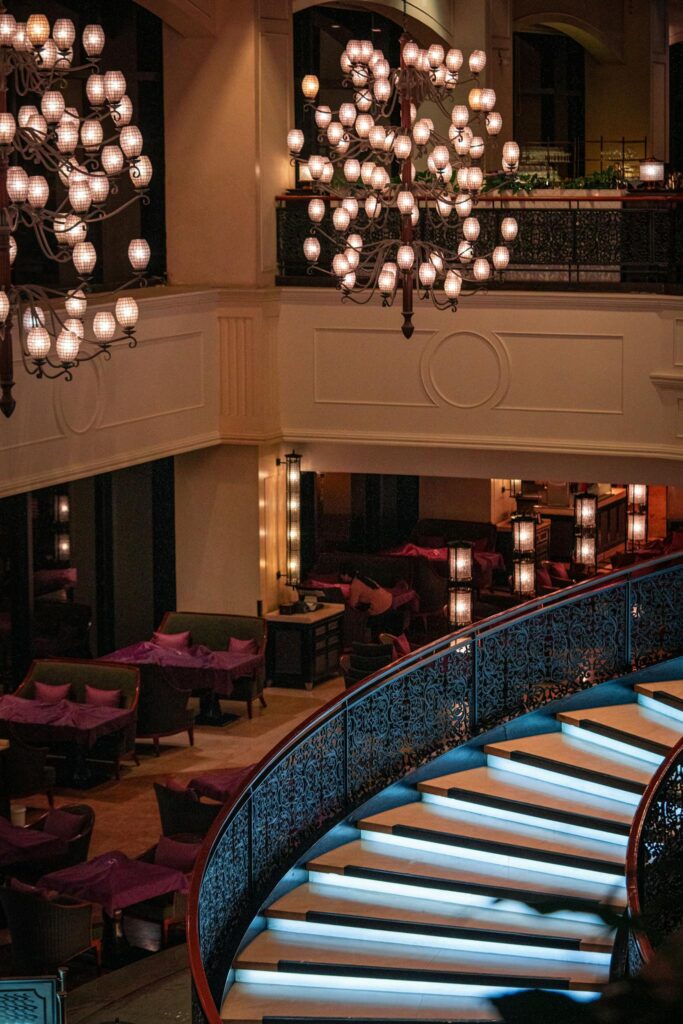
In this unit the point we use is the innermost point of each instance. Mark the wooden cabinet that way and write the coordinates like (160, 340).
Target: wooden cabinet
(304, 649)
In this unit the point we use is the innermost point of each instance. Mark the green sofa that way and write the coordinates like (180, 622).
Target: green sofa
(214, 631)
(77, 672)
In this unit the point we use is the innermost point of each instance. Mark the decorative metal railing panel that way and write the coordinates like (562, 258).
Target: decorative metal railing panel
(622, 242)
(382, 729)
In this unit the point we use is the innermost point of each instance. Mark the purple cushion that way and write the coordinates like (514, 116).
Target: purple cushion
(172, 854)
(51, 694)
(236, 646)
(63, 824)
(174, 641)
(102, 698)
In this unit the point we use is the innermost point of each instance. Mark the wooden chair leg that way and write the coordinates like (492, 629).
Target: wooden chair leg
(250, 713)
(190, 734)
(263, 700)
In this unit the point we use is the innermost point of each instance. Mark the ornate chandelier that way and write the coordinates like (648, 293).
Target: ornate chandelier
(80, 164)
(387, 229)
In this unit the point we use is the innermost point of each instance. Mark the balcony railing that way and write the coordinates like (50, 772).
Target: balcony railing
(607, 241)
(383, 728)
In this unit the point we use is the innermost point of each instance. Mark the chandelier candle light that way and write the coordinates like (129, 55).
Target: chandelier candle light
(382, 127)
(58, 170)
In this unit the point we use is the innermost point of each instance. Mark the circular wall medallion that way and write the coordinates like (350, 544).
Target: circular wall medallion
(78, 402)
(465, 369)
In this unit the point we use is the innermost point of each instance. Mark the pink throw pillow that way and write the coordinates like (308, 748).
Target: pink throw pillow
(102, 698)
(51, 694)
(236, 646)
(174, 641)
(172, 854)
(63, 824)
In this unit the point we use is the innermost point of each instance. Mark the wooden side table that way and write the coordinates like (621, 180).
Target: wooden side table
(304, 649)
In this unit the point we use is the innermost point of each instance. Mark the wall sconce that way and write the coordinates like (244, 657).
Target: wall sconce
(62, 547)
(524, 556)
(460, 579)
(62, 508)
(586, 533)
(636, 515)
(292, 463)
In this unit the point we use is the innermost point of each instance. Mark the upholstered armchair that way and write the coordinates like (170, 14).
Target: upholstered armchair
(162, 710)
(181, 813)
(45, 933)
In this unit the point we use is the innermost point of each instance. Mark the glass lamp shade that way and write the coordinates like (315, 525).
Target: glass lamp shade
(477, 61)
(114, 86)
(586, 511)
(104, 326)
(372, 207)
(454, 60)
(523, 535)
(475, 98)
(460, 561)
(366, 169)
(310, 86)
(8, 27)
(347, 114)
(38, 342)
(99, 187)
(67, 136)
(348, 281)
(651, 171)
(352, 169)
(91, 135)
(340, 219)
(139, 254)
(26, 112)
(405, 202)
(17, 184)
(131, 141)
(335, 133)
(510, 156)
(76, 303)
(75, 325)
(38, 29)
(20, 40)
(403, 147)
(471, 229)
(364, 122)
(13, 249)
(585, 551)
(340, 264)
(8, 129)
(524, 578)
(64, 33)
(127, 312)
(463, 204)
(94, 90)
(382, 90)
(122, 112)
(379, 179)
(34, 316)
(355, 242)
(37, 128)
(444, 206)
(352, 257)
(62, 547)
(405, 258)
(4, 307)
(481, 269)
(637, 528)
(500, 257)
(38, 191)
(311, 249)
(421, 132)
(141, 171)
(465, 252)
(67, 346)
(440, 156)
(509, 229)
(411, 51)
(316, 210)
(93, 40)
(459, 607)
(376, 136)
(112, 160)
(79, 196)
(52, 105)
(494, 123)
(386, 280)
(75, 231)
(62, 508)
(85, 258)
(477, 147)
(636, 495)
(323, 116)
(315, 166)
(427, 274)
(453, 284)
(488, 99)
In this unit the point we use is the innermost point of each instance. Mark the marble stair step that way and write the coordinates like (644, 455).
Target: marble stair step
(573, 763)
(296, 1004)
(627, 728)
(491, 791)
(315, 909)
(665, 696)
(375, 866)
(278, 958)
(487, 839)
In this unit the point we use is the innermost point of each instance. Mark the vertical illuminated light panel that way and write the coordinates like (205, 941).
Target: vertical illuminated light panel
(460, 579)
(293, 509)
(586, 533)
(524, 556)
(62, 508)
(62, 547)
(636, 516)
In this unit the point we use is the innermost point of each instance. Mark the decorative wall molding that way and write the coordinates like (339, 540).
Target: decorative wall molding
(188, 17)
(667, 381)
(466, 369)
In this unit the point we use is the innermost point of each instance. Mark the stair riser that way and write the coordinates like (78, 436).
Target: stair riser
(610, 743)
(395, 985)
(414, 939)
(506, 814)
(566, 870)
(559, 778)
(652, 704)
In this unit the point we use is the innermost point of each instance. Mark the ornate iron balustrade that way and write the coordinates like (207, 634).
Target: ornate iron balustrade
(620, 242)
(380, 730)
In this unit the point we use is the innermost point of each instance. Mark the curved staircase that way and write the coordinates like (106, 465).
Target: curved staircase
(492, 879)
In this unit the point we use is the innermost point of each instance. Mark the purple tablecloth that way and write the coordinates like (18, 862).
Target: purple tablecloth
(63, 721)
(196, 668)
(220, 785)
(115, 881)
(26, 844)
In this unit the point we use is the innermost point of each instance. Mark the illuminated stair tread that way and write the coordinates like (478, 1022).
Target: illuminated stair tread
(575, 759)
(377, 862)
(668, 693)
(532, 797)
(478, 832)
(628, 723)
(318, 955)
(248, 1004)
(325, 904)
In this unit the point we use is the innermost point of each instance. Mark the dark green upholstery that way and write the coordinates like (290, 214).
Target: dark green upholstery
(214, 631)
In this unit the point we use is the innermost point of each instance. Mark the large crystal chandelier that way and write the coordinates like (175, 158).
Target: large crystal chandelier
(60, 173)
(372, 165)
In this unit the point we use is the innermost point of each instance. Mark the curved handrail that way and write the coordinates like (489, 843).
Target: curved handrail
(469, 641)
(634, 878)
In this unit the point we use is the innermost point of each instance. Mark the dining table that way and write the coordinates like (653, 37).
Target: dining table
(19, 845)
(221, 784)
